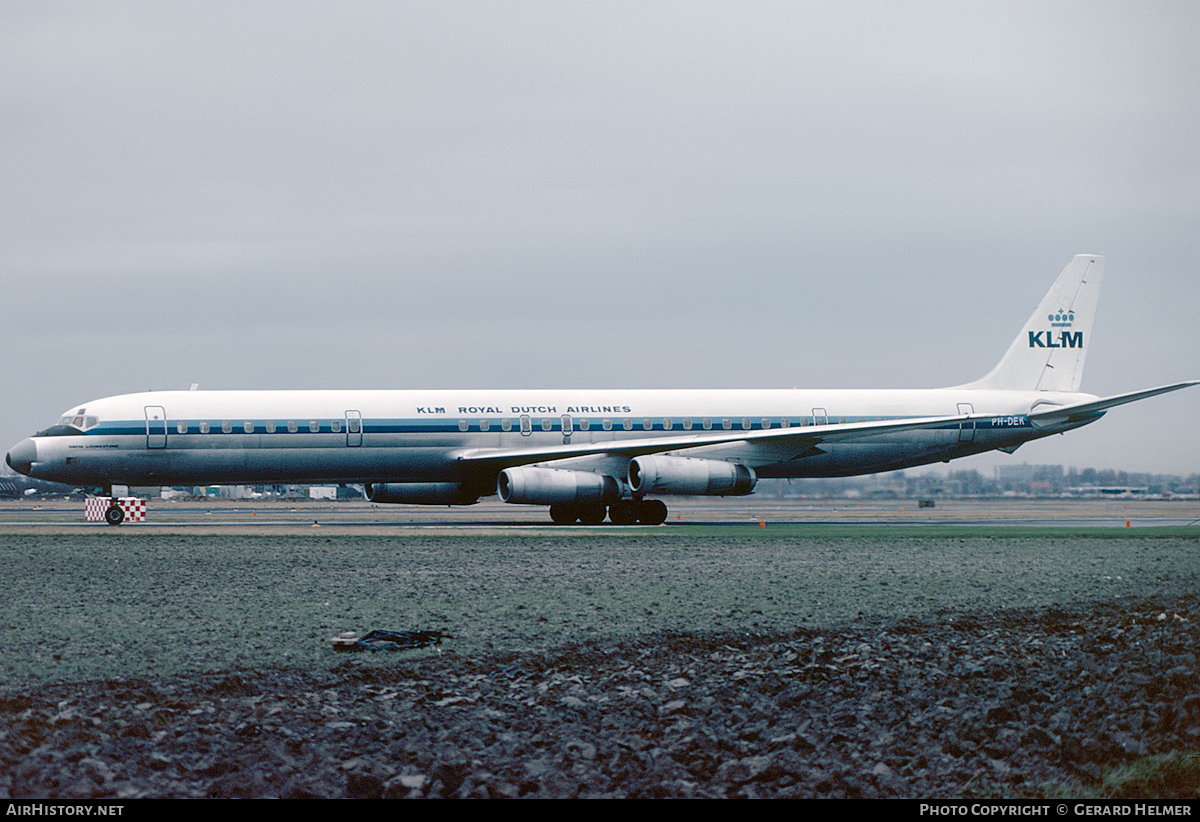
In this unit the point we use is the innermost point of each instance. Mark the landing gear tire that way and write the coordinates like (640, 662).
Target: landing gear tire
(592, 514)
(623, 513)
(652, 512)
(114, 515)
(563, 514)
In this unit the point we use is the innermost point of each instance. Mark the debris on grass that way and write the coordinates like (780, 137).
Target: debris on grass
(387, 640)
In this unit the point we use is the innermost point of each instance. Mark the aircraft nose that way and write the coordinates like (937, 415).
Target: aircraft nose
(22, 456)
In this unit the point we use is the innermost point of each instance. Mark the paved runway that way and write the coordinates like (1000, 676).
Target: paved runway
(265, 516)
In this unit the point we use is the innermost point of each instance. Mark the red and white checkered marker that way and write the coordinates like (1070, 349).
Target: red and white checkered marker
(96, 507)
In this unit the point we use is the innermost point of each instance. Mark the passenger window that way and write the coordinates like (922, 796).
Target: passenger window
(181, 427)
(627, 424)
(335, 426)
(227, 426)
(727, 423)
(606, 425)
(314, 426)
(204, 428)
(766, 422)
(687, 423)
(667, 424)
(293, 426)
(784, 422)
(547, 424)
(484, 425)
(746, 423)
(248, 427)
(506, 425)
(706, 424)
(647, 424)
(270, 426)
(463, 425)
(584, 424)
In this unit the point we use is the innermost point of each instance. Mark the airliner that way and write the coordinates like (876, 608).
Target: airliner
(587, 454)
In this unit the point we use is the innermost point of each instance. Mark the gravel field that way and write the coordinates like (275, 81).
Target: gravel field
(660, 662)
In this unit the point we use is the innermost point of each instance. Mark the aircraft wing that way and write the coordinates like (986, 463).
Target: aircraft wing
(802, 439)
(1053, 415)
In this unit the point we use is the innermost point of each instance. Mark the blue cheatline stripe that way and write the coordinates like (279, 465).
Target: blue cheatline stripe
(452, 425)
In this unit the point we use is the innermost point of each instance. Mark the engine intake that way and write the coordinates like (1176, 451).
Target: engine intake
(689, 475)
(548, 486)
(421, 493)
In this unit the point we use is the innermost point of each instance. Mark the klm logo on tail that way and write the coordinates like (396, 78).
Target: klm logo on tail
(1057, 339)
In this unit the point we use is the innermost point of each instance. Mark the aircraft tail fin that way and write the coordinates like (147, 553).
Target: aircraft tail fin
(1049, 353)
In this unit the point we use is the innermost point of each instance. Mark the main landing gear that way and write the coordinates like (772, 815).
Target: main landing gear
(625, 512)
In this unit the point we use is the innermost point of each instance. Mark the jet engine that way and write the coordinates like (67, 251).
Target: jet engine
(548, 486)
(421, 493)
(689, 475)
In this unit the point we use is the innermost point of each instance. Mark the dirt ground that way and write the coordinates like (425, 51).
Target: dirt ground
(1013, 703)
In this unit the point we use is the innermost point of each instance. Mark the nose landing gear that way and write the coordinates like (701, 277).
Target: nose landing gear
(114, 514)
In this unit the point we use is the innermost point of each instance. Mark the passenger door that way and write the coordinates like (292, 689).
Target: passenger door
(353, 428)
(156, 426)
(966, 430)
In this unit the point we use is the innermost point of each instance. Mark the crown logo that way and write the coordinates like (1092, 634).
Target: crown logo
(1061, 319)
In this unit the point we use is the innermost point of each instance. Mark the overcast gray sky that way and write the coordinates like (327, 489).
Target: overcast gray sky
(568, 194)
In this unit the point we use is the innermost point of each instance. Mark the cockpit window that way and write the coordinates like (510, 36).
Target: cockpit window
(70, 426)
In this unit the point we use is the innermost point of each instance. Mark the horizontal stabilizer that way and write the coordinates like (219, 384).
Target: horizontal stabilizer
(1058, 414)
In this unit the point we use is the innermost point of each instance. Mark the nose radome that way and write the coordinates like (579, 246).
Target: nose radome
(22, 456)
